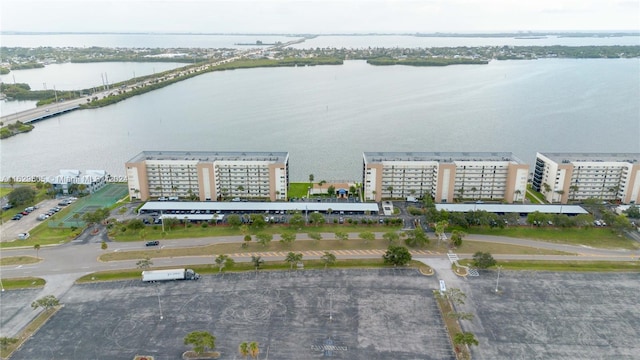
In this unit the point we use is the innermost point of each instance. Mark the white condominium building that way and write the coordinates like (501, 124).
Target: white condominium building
(563, 177)
(444, 176)
(208, 175)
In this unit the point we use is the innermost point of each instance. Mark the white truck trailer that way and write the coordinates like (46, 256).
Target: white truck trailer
(170, 274)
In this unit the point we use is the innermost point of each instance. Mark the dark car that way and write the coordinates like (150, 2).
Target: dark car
(152, 243)
(17, 217)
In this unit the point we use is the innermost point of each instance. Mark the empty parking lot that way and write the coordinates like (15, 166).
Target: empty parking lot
(355, 314)
(545, 315)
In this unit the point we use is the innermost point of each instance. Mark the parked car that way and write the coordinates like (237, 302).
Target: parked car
(24, 236)
(7, 207)
(17, 217)
(152, 243)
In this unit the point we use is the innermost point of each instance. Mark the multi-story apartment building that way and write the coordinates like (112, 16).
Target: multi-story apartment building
(208, 175)
(563, 177)
(444, 176)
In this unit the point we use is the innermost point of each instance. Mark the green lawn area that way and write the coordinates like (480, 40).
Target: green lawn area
(588, 266)
(298, 190)
(247, 266)
(18, 260)
(591, 236)
(302, 244)
(197, 231)
(4, 191)
(22, 283)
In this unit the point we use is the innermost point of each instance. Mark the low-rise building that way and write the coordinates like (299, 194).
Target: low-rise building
(563, 177)
(71, 181)
(445, 176)
(208, 175)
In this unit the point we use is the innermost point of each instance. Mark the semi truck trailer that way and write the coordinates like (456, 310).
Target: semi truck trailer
(170, 274)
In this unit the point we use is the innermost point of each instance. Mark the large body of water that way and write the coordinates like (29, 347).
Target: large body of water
(326, 116)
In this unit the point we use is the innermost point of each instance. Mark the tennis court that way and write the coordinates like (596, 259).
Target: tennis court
(105, 197)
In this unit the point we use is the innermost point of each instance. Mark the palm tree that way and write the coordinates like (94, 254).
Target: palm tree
(518, 193)
(37, 248)
(473, 191)
(574, 189)
(244, 349)
(328, 259)
(293, 258)
(257, 261)
(254, 350)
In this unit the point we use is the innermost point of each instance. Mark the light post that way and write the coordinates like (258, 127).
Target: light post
(498, 279)
(1, 286)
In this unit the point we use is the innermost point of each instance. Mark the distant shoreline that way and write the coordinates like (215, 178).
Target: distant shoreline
(525, 34)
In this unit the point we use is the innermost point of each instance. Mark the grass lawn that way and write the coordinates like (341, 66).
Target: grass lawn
(589, 266)
(18, 260)
(22, 283)
(267, 266)
(43, 235)
(594, 237)
(197, 231)
(298, 190)
(309, 245)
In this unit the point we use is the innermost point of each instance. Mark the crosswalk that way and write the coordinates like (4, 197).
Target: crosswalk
(320, 253)
(473, 272)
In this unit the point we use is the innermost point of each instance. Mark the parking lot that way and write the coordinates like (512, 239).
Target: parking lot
(545, 315)
(11, 228)
(355, 314)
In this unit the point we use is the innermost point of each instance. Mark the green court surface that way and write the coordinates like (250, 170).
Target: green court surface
(105, 197)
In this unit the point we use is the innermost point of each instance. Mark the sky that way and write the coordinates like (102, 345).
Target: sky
(318, 16)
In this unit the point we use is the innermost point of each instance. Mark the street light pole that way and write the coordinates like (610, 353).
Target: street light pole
(498, 279)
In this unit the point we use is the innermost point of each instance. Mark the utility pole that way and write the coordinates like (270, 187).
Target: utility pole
(498, 279)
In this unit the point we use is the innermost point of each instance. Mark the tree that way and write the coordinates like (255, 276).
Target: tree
(243, 349)
(254, 350)
(234, 220)
(264, 239)
(465, 338)
(454, 295)
(224, 261)
(201, 340)
(104, 245)
(316, 219)
(288, 238)
(144, 263)
(441, 226)
(416, 238)
(257, 261)
(397, 255)
(633, 212)
(367, 236)
(47, 302)
(36, 248)
(483, 260)
(315, 236)
(328, 259)
(21, 195)
(247, 240)
(297, 221)
(170, 222)
(293, 258)
(341, 235)
(391, 236)
(12, 182)
(456, 237)
(331, 190)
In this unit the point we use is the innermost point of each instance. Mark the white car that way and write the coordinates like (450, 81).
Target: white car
(23, 236)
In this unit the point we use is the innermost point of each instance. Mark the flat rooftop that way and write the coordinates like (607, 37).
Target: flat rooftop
(444, 157)
(513, 208)
(580, 157)
(211, 156)
(240, 206)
